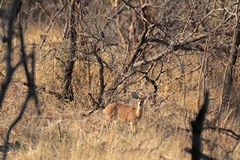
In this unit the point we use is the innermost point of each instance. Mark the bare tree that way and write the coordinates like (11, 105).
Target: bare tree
(69, 64)
(229, 70)
(28, 63)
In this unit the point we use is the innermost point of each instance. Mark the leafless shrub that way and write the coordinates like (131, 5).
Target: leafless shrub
(28, 63)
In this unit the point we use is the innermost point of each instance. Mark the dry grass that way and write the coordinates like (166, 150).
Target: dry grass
(61, 132)
(68, 135)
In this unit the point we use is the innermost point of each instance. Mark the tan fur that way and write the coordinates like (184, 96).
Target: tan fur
(125, 112)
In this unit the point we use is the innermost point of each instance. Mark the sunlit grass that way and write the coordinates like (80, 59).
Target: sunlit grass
(62, 132)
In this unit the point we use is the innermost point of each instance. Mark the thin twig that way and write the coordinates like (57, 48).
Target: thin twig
(49, 27)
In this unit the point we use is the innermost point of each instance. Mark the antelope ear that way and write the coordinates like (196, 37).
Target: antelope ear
(134, 95)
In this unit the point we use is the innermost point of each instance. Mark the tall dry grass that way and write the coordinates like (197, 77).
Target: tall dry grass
(62, 132)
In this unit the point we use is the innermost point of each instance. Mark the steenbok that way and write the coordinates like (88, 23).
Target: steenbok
(125, 112)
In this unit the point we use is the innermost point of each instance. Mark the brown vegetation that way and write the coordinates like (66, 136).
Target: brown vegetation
(169, 51)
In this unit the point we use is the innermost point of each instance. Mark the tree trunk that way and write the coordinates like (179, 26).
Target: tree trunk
(228, 76)
(68, 89)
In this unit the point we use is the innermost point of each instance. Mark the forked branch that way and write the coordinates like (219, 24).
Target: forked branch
(30, 74)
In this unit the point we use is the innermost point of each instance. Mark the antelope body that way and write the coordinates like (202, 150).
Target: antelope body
(125, 112)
